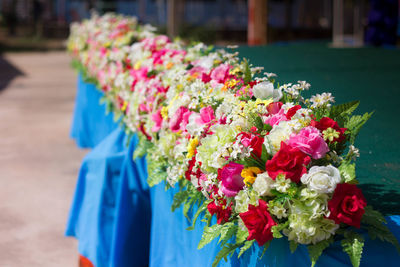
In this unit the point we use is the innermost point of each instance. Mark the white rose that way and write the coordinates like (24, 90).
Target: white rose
(322, 179)
(266, 90)
(263, 184)
(279, 133)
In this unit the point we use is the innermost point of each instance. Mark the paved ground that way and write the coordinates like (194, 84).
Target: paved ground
(38, 161)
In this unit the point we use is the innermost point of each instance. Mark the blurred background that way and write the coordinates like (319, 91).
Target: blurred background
(28, 23)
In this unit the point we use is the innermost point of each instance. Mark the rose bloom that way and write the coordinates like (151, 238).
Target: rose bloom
(326, 123)
(347, 205)
(258, 222)
(309, 141)
(180, 119)
(253, 141)
(289, 161)
(232, 181)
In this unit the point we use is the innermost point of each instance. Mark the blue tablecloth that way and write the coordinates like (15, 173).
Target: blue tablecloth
(90, 124)
(111, 212)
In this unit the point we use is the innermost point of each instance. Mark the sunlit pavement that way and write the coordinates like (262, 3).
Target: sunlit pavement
(38, 161)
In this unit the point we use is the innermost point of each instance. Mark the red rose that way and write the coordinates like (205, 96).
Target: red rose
(292, 111)
(274, 107)
(223, 213)
(347, 205)
(253, 141)
(326, 123)
(258, 222)
(289, 161)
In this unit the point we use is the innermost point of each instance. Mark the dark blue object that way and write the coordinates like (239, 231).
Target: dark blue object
(90, 124)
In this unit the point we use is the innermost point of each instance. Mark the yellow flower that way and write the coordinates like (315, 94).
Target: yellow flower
(169, 65)
(330, 134)
(124, 106)
(192, 147)
(164, 112)
(137, 65)
(249, 174)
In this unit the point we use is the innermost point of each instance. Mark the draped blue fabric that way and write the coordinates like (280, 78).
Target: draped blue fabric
(110, 214)
(113, 210)
(90, 124)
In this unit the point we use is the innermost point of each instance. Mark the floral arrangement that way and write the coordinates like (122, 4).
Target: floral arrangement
(255, 154)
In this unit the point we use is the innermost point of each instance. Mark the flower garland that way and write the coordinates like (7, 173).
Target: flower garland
(261, 158)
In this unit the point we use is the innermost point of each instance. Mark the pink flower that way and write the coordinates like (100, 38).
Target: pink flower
(220, 73)
(276, 118)
(157, 118)
(180, 119)
(232, 181)
(309, 141)
(206, 115)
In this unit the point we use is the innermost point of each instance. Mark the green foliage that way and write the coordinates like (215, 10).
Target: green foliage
(245, 247)
(316, 250)
(348, 171)
(199, 211)
(343, 110)
(355, 123)
(276, 229)
(376, 225)
(157, 171)
(247, 72)
(209, 234)
(179, 199)
(227, 232)
(143, 146)
(353, 245)
(241, 235)
(226, 251)
(293, 246)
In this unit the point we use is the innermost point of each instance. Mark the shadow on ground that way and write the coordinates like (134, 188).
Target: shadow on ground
(7, 73)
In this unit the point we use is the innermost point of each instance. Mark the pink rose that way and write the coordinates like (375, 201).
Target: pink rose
(180, 119)
(232, 181)
(220, 73)
(309, 141)
(276, 118)
(206, 115)
(157, 118)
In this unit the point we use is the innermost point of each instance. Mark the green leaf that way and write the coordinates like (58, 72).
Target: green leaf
(355, 123)
(343, 109)
(347, 171)
(241, 235)
(209, 234)
(247, 72)
(276, 229)
(157, 171)
(292, 246)
(143, 146)
(376, 225)
(227, 232)
(179, 198)
(245, 247)
(316, 250)
(224, 252)
(353, 245)
(201, 209)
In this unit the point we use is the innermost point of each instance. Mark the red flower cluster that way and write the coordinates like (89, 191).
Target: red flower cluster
(221, 210)
(258, 222)
(347, 205)
(326, 123)
(289, 161)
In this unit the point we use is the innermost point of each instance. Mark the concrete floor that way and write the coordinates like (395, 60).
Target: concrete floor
(38, 161)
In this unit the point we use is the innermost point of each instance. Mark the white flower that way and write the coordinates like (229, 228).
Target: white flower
(320, 100)
(281, 183)
(279, 133)
(263, 184)
(266, 90)
(322, 179)
(278, 211)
